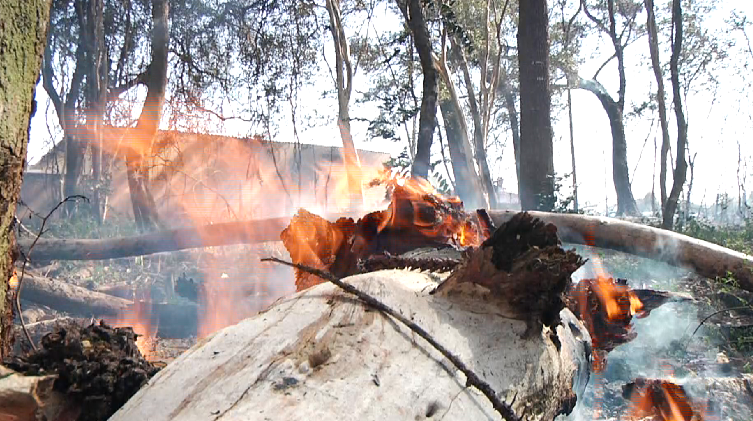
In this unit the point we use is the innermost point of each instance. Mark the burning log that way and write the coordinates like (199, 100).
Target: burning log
(522, 263)
(660, 400)
(416, 217)
(308, 354)
(97, 368)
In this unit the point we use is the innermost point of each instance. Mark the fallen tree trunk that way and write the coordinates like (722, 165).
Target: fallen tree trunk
(222, 234)
(71, 298)
(321, 354)
(173, 320)
(706, 259)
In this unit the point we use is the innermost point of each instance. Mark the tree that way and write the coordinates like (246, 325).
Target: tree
(536, 148)
(344, 84)
(22, 38)
(615, 108)
(653, 43)
(681, 166)
(414, 16)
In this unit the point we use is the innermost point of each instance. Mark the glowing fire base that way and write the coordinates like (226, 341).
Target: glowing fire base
(321, 354)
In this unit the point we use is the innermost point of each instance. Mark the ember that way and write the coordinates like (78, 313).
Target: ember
(659, 400)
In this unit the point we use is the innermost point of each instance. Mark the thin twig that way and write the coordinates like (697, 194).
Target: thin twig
(714, 314)
(471, 378)
(26, 260)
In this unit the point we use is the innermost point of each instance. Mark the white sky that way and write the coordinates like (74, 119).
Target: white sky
(714, 127)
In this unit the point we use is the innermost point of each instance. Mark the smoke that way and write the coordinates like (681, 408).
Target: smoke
(662, 348)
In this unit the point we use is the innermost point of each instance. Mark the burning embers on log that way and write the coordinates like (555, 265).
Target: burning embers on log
(660, 400)
(417, 216)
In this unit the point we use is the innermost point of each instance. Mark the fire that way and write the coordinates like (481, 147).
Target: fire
(13, 281)
(138, 318)
(660, 400)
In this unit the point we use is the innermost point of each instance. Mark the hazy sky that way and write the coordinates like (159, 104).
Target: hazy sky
(715, 126)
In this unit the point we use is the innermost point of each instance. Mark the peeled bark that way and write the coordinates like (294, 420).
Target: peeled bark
(536, 148)
(304, 357)
(23, 31)
(414, 16)
(32, 398)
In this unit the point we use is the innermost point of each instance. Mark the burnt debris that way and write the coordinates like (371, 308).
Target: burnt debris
(98, 367)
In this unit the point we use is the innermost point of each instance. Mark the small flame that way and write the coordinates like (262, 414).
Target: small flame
(138, 318)
(662, 401)
(13, 281)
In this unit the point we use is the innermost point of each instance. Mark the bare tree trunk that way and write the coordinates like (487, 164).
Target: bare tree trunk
(344, 81)
(682, 128)
(466, 179)
(572, 147)
(479, 132)
(414, 16)
(625, 201)
(653, 43)
(144, 208)
(536, 149)
(22, 39)
(512, 115)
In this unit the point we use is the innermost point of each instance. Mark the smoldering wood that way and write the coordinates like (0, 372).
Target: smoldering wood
(706, 259)
(174, 320)
(322, 354)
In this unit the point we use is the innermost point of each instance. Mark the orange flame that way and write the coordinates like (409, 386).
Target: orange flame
(662, 401)
(138, 318)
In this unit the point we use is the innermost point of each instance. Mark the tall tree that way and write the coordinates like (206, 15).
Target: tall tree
(23, 30)
(653, 42)
(414, 16)
(140, 144)
(615, 108)
(536, 148)
(344, 85)
(681, 165)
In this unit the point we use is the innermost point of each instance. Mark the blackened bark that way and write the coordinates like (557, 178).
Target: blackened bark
(536, 149)
(144, 208)
(466, 186)
(413, 13)
(653, 43)
(23, 30)
(681, 166)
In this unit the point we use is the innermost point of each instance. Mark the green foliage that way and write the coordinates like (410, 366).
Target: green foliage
(739, 238)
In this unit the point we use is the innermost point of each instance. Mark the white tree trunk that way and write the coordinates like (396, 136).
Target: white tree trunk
(322, 355)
